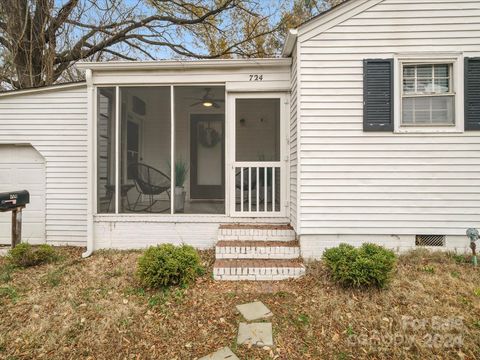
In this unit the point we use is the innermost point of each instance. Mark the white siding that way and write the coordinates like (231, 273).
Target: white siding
(293, 142)
(54, 122)
(358, 183)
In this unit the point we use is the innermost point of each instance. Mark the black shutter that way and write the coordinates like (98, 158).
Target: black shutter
(378, 95)
(472, 93)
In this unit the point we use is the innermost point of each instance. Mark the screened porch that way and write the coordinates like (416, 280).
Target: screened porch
(174, 149)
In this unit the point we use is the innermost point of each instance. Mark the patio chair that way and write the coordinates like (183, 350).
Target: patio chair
(149, 182)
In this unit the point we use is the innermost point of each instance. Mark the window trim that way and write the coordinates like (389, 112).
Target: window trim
(456, 61)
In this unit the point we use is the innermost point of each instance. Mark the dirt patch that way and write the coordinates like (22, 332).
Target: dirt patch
(95, 309)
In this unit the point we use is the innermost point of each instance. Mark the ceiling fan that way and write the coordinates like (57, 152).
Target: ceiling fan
(207, 100)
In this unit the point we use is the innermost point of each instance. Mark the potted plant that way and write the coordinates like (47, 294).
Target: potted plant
(181, 171)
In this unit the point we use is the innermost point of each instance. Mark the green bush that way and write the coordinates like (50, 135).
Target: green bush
(369, 265)
(167, 265)
(25, 255)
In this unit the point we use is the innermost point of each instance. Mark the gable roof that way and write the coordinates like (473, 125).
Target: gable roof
(325, 21)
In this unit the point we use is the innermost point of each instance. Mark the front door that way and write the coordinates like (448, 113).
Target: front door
(207, 156)
(258, 157)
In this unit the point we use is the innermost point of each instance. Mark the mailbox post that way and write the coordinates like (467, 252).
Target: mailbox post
(15, 202)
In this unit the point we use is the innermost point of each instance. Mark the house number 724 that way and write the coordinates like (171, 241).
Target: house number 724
(256, 77)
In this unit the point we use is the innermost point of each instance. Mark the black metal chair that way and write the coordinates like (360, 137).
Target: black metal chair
(149, 182)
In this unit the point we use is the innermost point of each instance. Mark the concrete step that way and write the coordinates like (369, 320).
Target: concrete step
(238, 249)
(257, 270)
(256, 232)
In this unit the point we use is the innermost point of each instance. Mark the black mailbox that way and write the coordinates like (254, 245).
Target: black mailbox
(13, 200)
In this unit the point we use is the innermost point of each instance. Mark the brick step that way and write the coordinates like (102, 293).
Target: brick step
(237, 249)
(256, 232)
(256, 270)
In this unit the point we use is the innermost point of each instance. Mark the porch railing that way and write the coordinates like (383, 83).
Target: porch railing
(258, 187)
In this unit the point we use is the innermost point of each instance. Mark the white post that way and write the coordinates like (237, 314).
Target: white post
(172, 150)
(118, 154)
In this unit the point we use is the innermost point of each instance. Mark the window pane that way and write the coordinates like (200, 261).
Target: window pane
(443, 110)
(441, 70)
(106, 150)
(442, 86)
(200, 149)
(145, 150)
(409, 71)
(408, 86)
(424, 71)
(428, 110)
(257, 124)
(424, 86)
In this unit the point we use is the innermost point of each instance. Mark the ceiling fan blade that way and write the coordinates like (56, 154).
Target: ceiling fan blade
(197, 103)
(215, 105)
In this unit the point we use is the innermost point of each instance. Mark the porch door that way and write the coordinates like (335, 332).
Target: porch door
(207, 157)
(257, 132)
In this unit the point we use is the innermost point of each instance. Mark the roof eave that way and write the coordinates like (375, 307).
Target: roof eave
(41, 89)
(290, 43)
(183, 64)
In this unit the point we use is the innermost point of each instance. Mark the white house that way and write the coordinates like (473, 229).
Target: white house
(366, 130)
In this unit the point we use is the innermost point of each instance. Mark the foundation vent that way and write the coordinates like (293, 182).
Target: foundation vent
(430, 240)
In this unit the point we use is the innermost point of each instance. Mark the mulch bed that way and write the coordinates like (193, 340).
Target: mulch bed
(95, 309)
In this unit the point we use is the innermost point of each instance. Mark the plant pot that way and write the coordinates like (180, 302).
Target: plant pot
(179, 200)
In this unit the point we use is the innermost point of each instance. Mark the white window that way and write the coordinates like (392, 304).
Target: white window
(429, 94)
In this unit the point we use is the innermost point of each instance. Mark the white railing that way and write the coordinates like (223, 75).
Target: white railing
(258, 188)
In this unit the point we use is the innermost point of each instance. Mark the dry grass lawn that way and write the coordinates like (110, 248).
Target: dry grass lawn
(95, 309)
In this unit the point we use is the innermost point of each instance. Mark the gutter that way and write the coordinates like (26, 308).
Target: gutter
(290, 43)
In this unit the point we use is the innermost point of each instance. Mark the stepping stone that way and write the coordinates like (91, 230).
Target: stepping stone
(254, 311)
(259, 334)
(222, 354)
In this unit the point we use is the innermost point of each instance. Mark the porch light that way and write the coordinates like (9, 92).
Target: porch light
(207, 103)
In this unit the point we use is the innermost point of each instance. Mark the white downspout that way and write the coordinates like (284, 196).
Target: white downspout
(90, 162)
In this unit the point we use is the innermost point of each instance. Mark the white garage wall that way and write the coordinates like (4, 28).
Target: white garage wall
(54, 122)
(358, 186)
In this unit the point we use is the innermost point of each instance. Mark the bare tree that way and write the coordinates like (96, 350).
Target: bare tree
(303, 10)
(40, 40)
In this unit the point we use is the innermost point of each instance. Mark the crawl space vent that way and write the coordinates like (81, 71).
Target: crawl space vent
(430, 240)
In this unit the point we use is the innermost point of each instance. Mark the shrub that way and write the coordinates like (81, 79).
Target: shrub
(25, 255)
(369, 265)
(167, 265)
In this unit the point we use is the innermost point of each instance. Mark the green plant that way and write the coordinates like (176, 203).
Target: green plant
(167, 265)
(429, 269)
(6, 272)
(54, 278)
(25, 255)
(8, 292)
(369, 265)
(458, 258)
(181, 171)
